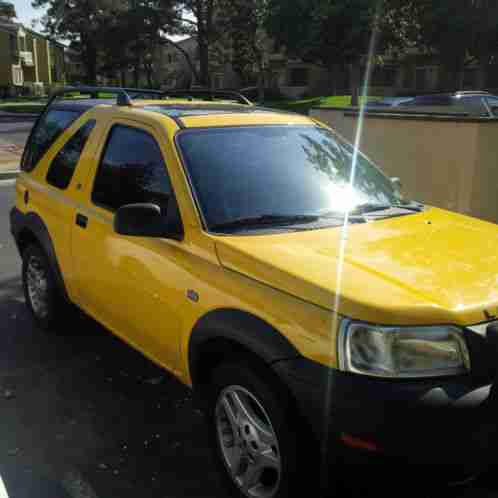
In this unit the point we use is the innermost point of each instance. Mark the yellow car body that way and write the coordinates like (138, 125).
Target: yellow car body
(430, 268)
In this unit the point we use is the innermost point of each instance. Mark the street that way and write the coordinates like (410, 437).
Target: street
(14, 131)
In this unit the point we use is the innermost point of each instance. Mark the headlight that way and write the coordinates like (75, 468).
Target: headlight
(402, 351)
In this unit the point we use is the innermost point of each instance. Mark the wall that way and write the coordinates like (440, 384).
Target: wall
(447, 162)
(57, 61)
(42, 55)
(5, 60)
(484, 201)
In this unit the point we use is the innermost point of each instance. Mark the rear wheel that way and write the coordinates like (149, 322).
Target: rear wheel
(255, 435)
(40, 289)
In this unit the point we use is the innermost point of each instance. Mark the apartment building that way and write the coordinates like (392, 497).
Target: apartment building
(29, 61)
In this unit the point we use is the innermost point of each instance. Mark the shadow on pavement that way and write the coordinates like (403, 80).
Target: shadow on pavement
(85, 404)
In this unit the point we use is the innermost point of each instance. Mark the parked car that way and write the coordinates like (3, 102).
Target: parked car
(318, 320)
(482, 104)
(388, 102)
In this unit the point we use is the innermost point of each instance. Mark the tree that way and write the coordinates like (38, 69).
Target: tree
(459, 30)
(7, 10)
(203, 27)
(144, 23)
(242, 21)
(454, 31)
(331, 33)
(80, 22)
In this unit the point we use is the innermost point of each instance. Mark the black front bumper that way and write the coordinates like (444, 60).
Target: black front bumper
(438, 423)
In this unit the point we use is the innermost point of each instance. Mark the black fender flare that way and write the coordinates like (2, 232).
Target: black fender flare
(243, 329)
(32, 223)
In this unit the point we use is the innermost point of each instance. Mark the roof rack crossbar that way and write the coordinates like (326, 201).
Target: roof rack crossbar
(193, 93)
(124, 96)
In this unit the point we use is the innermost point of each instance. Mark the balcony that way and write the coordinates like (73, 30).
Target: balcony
(26, 58)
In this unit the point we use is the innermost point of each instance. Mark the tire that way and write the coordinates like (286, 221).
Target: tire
(43, 299)
(270, 446)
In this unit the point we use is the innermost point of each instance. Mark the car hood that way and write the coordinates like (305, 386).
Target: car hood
(425, 268)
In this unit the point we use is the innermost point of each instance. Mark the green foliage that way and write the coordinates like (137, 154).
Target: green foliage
(8, 10)
(111, 35)
(133, 34)
(81, 23)
(242, 22)
(331, 33)
(303, 106)
(326, 32)
(455, 31)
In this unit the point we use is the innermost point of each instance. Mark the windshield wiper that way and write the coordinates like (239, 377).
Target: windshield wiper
(372, 207)
(369, 207)
(412, 206)
(266, 219)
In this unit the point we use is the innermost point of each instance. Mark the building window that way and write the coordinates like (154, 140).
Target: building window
(298, 76)
(13, 44)
(384, 76)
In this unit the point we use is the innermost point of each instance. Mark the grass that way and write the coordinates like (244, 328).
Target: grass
(35, 105)
(23, 107)
(303, 106)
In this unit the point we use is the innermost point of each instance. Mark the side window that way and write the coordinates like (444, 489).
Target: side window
(64, 164)
(131, 171)
(45, 134)
(472, 105)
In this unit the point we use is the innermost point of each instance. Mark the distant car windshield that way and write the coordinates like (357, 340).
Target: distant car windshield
(246, 172)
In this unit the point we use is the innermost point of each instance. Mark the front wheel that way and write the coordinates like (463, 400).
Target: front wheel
(256, 438)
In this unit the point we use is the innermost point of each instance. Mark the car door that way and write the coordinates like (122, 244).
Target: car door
(492, 103)
(131, 284)
(474, 105)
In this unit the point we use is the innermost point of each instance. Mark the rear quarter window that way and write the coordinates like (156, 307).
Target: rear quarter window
(47, 130)
(64, 164)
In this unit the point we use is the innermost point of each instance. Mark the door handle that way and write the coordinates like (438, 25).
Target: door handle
(81, 220)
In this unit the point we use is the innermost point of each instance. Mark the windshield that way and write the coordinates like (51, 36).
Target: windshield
(248, 172)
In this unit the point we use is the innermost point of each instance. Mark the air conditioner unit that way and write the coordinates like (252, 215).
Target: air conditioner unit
(26, 58)
(17, 76)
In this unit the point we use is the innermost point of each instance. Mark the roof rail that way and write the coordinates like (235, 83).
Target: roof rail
(211, 94)
(124, 96)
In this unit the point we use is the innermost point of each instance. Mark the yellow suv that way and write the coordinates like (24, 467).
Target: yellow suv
(319, 315)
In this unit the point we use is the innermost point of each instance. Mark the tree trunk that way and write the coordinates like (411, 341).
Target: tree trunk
(123, 78)
(482, 73)
(150, 79)
(190, 63)
(136, 73)
(261, 86)
(89, 59)
(459, 76)
(334, 75)
(354, 83)
(204, 78)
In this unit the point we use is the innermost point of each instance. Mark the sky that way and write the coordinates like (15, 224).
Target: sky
(26, 13)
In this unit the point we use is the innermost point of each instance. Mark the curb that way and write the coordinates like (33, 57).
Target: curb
(18, 115)
(9, 175)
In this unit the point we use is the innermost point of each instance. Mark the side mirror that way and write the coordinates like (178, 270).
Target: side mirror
(147, 220)
(396, 182)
